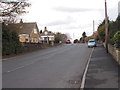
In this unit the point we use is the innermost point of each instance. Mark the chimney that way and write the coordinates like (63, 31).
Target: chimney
(21, 21)
(45, 29)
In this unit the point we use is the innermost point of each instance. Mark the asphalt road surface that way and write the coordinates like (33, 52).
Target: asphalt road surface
(57, 67)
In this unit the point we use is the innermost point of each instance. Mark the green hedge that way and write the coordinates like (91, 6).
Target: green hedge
(10, 42)
(116, 39)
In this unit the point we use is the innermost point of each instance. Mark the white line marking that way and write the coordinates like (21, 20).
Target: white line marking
(20, 67)
(15, 69)
(85, 72)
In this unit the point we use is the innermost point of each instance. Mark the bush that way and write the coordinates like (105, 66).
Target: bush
(58, 37)
(116, 39)
(10, 42)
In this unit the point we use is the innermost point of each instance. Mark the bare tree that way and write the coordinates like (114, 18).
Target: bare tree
(9, 10)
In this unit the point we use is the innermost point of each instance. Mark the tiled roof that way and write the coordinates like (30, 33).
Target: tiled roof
(23, 28)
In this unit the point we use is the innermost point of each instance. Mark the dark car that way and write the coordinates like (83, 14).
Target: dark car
(68, 42)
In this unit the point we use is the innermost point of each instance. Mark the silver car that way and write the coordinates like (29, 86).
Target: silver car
(92, 43)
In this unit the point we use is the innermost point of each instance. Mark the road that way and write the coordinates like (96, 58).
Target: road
(56, 67)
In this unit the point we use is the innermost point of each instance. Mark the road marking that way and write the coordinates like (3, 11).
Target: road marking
(85, 72)
(15, 69)
(21, 67)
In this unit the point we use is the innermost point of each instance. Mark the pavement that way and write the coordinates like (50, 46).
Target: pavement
(102, 72)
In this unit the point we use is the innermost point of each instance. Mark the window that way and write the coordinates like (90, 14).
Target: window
(26, 40)
(35, 31)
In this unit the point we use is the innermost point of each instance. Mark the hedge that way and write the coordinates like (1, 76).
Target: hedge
(116, 39)
(10, 42)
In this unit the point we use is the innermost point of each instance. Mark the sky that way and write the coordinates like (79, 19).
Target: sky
(70, 16)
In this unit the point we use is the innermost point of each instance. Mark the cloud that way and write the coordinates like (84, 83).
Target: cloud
(72, 10)
(79, 26)
(65, 21)
(55, 23)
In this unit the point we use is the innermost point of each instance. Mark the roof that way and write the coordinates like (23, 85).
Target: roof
(22, 28)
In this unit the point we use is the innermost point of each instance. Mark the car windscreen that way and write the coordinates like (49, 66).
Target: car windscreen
(92, 41)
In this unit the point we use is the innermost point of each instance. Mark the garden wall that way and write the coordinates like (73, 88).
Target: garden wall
(115, 52)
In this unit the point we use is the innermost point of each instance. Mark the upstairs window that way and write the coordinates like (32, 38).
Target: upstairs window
(35, 31)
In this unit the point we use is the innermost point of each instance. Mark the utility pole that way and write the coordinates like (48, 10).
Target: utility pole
(93, 27)
(106, 27)
(73, 35)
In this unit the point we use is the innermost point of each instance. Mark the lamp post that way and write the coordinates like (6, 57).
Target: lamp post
(106, 27)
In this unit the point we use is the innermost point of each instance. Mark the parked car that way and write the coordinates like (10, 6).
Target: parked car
(68, 42)
(92, 43)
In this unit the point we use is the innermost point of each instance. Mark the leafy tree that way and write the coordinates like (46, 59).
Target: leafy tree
(88, 38)
(58, 37)
(101, 33)
(81, 39)
(76, 41)
(113, 27)
(83, 36)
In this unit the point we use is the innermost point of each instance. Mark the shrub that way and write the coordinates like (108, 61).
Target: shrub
(10, 42)
(116, 39)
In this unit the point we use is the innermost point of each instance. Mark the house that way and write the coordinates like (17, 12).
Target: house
(47, 36)
(28, 32)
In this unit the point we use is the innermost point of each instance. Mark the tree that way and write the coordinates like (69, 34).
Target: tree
(76, 41)
(40, 31)
(113, 27)
(10, 42)
(9, 10)
(101, 33)
(83, 37)
(88, 38)
(58, 37)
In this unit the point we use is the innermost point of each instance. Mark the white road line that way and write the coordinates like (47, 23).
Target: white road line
(20, 67)
(85, 72)
(15, 69)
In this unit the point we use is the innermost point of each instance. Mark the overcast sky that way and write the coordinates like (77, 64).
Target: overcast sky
(70, 16)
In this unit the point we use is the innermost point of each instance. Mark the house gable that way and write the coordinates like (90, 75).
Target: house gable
(23, 29)
(47, 35)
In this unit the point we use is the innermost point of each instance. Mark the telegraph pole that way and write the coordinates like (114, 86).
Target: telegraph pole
(93, 27)
(106, 27)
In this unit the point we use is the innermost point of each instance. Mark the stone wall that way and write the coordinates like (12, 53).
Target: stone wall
(114, 52)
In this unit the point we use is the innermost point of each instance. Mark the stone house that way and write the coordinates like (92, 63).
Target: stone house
(47, 36)
(27, 32)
